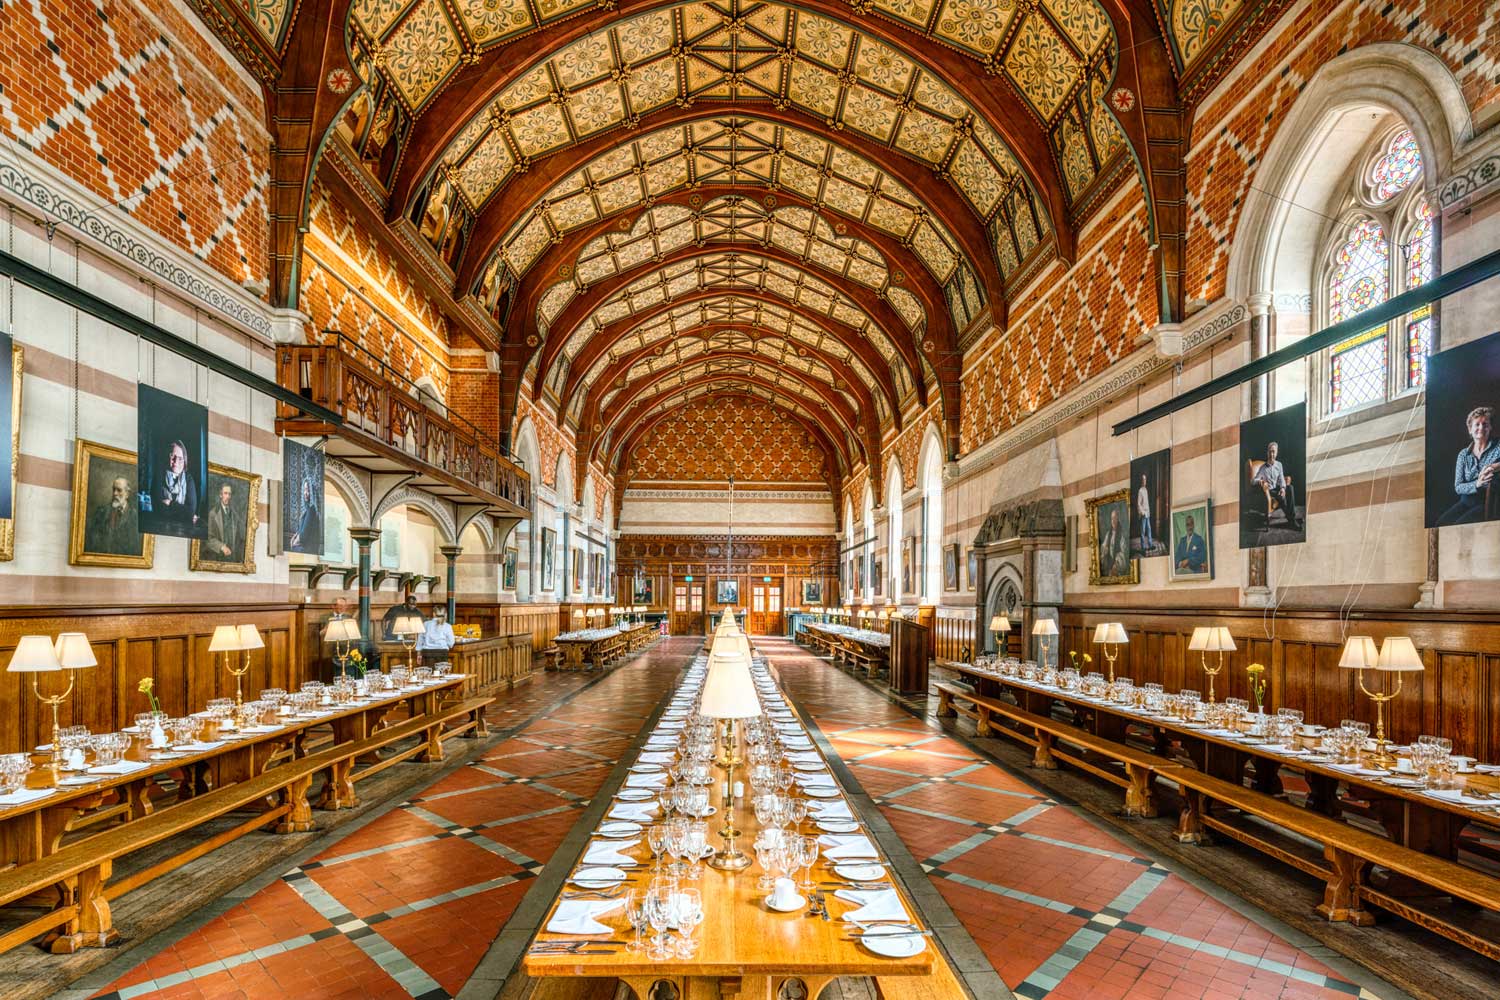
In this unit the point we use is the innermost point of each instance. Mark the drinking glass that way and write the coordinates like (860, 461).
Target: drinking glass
(696, 843)
(635, 912)
(768, 855)
(656, 837)
(658, 908)
(807, 856)
(689, 906)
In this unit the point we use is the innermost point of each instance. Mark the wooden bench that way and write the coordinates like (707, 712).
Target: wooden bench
(80, 872)
(941, 985)
(855, 655)
(551, 657)
(1348, 854)
(1046, 733)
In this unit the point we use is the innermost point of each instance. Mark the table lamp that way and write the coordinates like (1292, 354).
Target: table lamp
(411, 626)
(1398, 655)
(1110, 635)
(1211, 639)
(343, 633)
(249, 637)
(1000, 624)
(1043, 628)
(226, 640)
(37, 654)
(729, 694)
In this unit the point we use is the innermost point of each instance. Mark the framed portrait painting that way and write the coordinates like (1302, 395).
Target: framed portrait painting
(508, 570)
(549, 559)
(972, 569)
(812, 592)
(645, 590)
(231, 511)
(726, 591)
(950, 567)
(1192, 541)
(105, 526)
(1110, 562)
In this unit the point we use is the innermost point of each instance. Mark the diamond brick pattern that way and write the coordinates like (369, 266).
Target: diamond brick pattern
(129, 100)
(709, 439)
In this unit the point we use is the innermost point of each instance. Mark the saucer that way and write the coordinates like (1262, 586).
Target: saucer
(793, 908)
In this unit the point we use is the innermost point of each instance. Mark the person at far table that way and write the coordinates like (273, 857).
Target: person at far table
(407, 607)
(437, 637)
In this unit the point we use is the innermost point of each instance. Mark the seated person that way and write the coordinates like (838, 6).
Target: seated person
(407, 607)
(436, 638)
(1192, 552)
(1270, 483)
(1474, 471)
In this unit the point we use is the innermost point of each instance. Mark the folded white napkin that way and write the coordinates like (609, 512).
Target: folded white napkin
(661, 744)
(256, 730)
(817, 779)
(120, 767)
(646, 781)
(576, 916)
(877, 904)
(200, 747)
(24, 795)
(670, 727)
(804, 757)
(608, 853)
(1454, 795)
(843, 846)
(638, 812)
(833, 809)
(657, 757)
(1487, 768)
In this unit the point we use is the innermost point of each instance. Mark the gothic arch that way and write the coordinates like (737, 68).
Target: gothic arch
(440, 512)
(351, 489)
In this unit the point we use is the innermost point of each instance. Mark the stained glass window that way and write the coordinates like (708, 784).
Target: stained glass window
(1360, 274)
(1398, 167)
(1359, 366)
(1418, 346)
(1419, 249)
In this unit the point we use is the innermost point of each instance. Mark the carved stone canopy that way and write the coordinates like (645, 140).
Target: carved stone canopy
(1032, 519)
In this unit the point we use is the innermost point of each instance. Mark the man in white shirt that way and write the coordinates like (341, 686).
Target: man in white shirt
(436, 637)
(1143, 510)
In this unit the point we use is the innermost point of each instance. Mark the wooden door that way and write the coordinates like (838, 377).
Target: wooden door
(765, 608)
(687, 607)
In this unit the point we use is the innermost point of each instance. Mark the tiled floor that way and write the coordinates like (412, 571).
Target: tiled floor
(406, 905)
(1061, 908)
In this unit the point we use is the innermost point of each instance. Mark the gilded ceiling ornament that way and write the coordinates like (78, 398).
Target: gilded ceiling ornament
(1122, 100)
(340, 80)
(532, 341)
(565, 270)
(929, 346)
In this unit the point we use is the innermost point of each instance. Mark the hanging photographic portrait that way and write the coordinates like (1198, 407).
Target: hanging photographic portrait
(1192, 541)
(302, 498)
(105, 526)
(726, 591)
(508, 570)
(10, 440)
(1150, 503)
(972, 569)
(1273, 478)
(172, 434)
(1463, 455)
(549, 559)
(231, 513)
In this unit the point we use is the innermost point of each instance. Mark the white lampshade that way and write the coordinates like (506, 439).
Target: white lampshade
(1110, 634)
(1359, 653)
(250, 637)
(412, 624)
(74, 652)
(34, 654)
(342, 630)
(1044, 626)
(1212, 639)
(1398, 654)
(226, 639)
(1000, 623)
(729, 690)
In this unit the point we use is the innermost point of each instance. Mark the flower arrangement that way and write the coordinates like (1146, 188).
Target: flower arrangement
(357, 658)
(1074, 655)
(147, 687)
(1257, 676)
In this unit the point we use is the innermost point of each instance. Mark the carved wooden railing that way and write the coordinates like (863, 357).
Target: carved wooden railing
(371, 401)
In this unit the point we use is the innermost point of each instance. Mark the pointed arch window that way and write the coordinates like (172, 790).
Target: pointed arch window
(1386, 242)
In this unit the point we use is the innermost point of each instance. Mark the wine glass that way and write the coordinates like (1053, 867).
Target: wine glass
(658, 911)
(696, 843)
(807, 855)
(635, 912)
(656, 837)
(689, 916)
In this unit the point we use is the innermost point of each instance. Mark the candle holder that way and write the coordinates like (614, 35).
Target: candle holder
(1211, 639)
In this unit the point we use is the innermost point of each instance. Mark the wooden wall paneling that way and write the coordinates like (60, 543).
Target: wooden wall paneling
(1456, 701)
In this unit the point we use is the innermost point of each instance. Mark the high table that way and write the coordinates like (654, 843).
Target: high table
(747, 951)
(1411, 817)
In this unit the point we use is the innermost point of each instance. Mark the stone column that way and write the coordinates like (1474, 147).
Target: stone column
(364, 538)
(1428, 599)
(1257, 589)
(452, 553)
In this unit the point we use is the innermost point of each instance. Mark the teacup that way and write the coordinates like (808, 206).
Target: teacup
(784, 893)
(1404, 765)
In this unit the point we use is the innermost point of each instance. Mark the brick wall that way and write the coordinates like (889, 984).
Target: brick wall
(1231, 134)
(711, 439)
(551, 441)
(131, 100)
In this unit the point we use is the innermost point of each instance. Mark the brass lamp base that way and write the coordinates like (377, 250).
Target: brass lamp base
(729, 859)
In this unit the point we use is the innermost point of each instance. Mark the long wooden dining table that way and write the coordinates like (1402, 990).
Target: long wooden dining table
(747, 950)
(1413, 817)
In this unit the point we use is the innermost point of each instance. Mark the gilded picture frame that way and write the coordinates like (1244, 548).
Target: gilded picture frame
(93, 465)
(1110, 563)
(244, 487)
(8, 525)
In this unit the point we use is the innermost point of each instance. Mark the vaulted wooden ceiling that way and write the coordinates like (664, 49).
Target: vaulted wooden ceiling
(633, 201)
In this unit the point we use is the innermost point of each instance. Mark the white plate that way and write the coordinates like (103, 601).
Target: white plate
(892, 945)
(838, 825)
(598, 878)
(801, 902)
(635, 795)
(619, 829)
(856, 872)
(821, 792)
(646, 769)
(809, 767)
(77, 779)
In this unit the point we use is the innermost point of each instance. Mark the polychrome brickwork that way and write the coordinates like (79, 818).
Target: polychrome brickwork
(709, 440)
(551, 442)
(131, 101)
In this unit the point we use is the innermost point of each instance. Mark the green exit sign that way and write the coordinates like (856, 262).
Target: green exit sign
(765, 579)
(688, 579)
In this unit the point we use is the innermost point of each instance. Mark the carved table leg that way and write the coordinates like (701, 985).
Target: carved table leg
(300, 819)
(1139, 800)
(1190, 820)
(433, 734)
(1043, 758)
(982, 725)
(338, 793)
(1323, 795)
